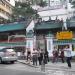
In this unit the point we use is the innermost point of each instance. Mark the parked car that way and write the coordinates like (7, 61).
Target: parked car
(8, 55)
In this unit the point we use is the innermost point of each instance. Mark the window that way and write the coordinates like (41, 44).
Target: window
(7, 7)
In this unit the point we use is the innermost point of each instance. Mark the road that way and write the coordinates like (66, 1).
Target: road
(59, 69)
(18, 69)
(50, 69)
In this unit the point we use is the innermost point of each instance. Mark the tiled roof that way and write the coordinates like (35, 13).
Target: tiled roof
(12, 26)
(48, 25)
(13, 44)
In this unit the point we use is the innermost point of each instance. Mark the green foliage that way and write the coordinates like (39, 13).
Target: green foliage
(42, 4)
(73, 3)
(23, 10)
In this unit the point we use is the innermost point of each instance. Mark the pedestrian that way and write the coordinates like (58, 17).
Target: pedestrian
(46, 57)
(62, 55)
(68, 56)
(55, 55)
(35, 57)
(28, 55)
(39, 56)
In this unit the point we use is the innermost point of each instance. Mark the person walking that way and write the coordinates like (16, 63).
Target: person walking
(40, 56)
(62, 55)
(68, 56)
(55, 55)
(28, 55)
(46, 57)
(35, 57)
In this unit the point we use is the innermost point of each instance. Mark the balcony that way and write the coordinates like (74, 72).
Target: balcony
(3, 15)
(5, 9)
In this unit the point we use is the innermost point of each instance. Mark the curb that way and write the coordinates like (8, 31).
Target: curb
(28, 64)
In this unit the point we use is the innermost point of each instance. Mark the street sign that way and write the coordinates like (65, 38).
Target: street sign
(64, 35)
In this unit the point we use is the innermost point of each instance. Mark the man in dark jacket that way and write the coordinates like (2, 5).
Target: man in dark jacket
(46, 57)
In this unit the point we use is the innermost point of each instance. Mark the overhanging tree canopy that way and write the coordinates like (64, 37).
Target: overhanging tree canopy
(24, 10)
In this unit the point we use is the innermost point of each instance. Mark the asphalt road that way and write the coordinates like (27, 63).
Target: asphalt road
(18, 69)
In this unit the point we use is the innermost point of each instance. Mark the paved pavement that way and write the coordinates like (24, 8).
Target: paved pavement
(59, 69)
(54, 68)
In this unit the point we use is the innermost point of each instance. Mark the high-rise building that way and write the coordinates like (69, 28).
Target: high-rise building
(12, 2)
(6, 8)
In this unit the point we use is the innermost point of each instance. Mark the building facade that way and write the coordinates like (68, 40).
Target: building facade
(46, 35)
(41, 34)
(6, 8)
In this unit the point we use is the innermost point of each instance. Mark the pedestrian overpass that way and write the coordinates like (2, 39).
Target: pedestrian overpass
(11, 27)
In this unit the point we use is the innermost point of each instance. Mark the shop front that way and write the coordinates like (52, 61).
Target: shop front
(63, 39)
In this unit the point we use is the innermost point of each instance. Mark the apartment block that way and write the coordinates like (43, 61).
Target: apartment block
(6, 8)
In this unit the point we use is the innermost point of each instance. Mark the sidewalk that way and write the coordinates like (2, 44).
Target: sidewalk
(51, 66)
(58, 68)
(29, 64)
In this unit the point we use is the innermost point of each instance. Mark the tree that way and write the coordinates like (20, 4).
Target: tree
(23, 10)
(42, 3)
(73, 3)
(39, 2)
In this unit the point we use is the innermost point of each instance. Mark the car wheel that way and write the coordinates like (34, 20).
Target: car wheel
(0, 60)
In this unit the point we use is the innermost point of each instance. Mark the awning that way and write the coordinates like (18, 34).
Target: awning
(13, 44)
(63, 42)
(48, 25)
(12, 26)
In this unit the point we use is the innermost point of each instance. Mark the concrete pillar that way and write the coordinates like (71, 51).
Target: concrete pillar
(29, 44)
(50, 45)
(34, 42)
(64, 25)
